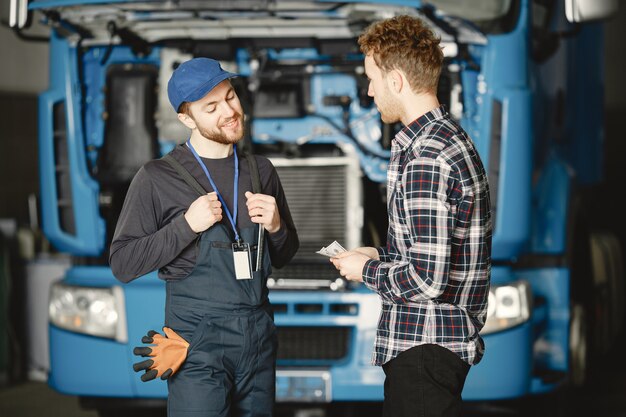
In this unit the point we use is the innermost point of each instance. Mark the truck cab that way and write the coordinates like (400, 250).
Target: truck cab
(515, 75)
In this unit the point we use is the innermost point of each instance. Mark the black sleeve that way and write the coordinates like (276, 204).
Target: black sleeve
(283, 244)
(139, 244)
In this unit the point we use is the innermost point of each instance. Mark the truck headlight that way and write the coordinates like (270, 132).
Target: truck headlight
(508, 306)
(89, 310)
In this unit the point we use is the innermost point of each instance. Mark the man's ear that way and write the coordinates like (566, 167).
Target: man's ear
(396, 81)
(187, 120)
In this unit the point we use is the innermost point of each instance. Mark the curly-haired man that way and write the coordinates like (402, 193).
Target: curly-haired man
(433, 275)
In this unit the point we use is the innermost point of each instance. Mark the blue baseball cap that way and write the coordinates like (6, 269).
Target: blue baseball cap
(194, 79)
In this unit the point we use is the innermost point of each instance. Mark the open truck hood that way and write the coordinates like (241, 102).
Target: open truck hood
(155, 21)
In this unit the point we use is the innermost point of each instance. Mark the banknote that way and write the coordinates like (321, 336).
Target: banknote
(331, 250)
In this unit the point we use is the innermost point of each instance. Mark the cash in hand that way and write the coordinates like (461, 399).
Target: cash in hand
(331, 250)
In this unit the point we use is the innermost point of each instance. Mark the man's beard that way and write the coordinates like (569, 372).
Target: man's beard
(219, 137)
(389, 108)
(389, 118)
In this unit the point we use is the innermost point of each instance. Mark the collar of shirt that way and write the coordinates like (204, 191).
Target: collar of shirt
(405, 137)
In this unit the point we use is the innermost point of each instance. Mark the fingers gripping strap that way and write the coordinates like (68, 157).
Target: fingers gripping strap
(189, 179)
(256, 188)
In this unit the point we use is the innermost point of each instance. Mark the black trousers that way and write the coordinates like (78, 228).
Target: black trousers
(424, 381)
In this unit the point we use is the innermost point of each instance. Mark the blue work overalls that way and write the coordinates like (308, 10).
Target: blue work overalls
(230, 366)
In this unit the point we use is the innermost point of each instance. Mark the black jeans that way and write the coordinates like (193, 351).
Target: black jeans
(424, 381)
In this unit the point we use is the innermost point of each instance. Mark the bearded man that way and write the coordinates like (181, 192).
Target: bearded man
(212, 222)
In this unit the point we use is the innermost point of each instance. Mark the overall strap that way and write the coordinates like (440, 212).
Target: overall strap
(182, 171)
(256, 188)
(254, 172)
(193, 183)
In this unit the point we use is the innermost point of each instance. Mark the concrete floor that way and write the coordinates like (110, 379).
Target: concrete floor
(35, 399)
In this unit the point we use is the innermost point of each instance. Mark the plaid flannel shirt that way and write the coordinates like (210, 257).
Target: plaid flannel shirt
(433, 276)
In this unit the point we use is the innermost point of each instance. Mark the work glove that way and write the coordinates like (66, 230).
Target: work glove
(167, 352)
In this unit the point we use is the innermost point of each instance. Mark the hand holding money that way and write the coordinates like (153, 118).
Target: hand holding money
(331, 250)
(350, 264)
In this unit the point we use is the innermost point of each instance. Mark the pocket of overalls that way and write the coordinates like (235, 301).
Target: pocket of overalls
(221, 259)
(197, 333)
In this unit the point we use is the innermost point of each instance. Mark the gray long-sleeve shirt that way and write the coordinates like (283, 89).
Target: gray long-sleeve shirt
(152, 233)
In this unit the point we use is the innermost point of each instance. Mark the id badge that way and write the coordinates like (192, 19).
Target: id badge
(243, 263)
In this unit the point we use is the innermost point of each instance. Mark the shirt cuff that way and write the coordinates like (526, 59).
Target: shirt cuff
(373, 270)
(183, 230)
(279, 237)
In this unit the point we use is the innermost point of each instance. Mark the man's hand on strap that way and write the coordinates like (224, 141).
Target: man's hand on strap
(167, 352)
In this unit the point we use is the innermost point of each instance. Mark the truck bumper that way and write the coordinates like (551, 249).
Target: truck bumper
(90, 366)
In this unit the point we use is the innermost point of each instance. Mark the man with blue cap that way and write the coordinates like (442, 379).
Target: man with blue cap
(213, 222)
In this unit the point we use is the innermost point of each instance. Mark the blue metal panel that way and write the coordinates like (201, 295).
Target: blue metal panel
(511, 356)
(513, 215)
(505, 78)
(364, 383)
(552, 198)
(551, 345)
(471, 117)
(89, 226)
(90, 276)
(86, 365)
(505, 371)
(145, 303)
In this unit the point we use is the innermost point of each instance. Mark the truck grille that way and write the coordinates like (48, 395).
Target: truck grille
(322, 192)
(312, 343)
(316, 197)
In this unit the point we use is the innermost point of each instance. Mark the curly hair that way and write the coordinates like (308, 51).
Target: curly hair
(405, 43)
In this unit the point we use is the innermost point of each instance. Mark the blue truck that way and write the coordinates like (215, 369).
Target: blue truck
(523, 77)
